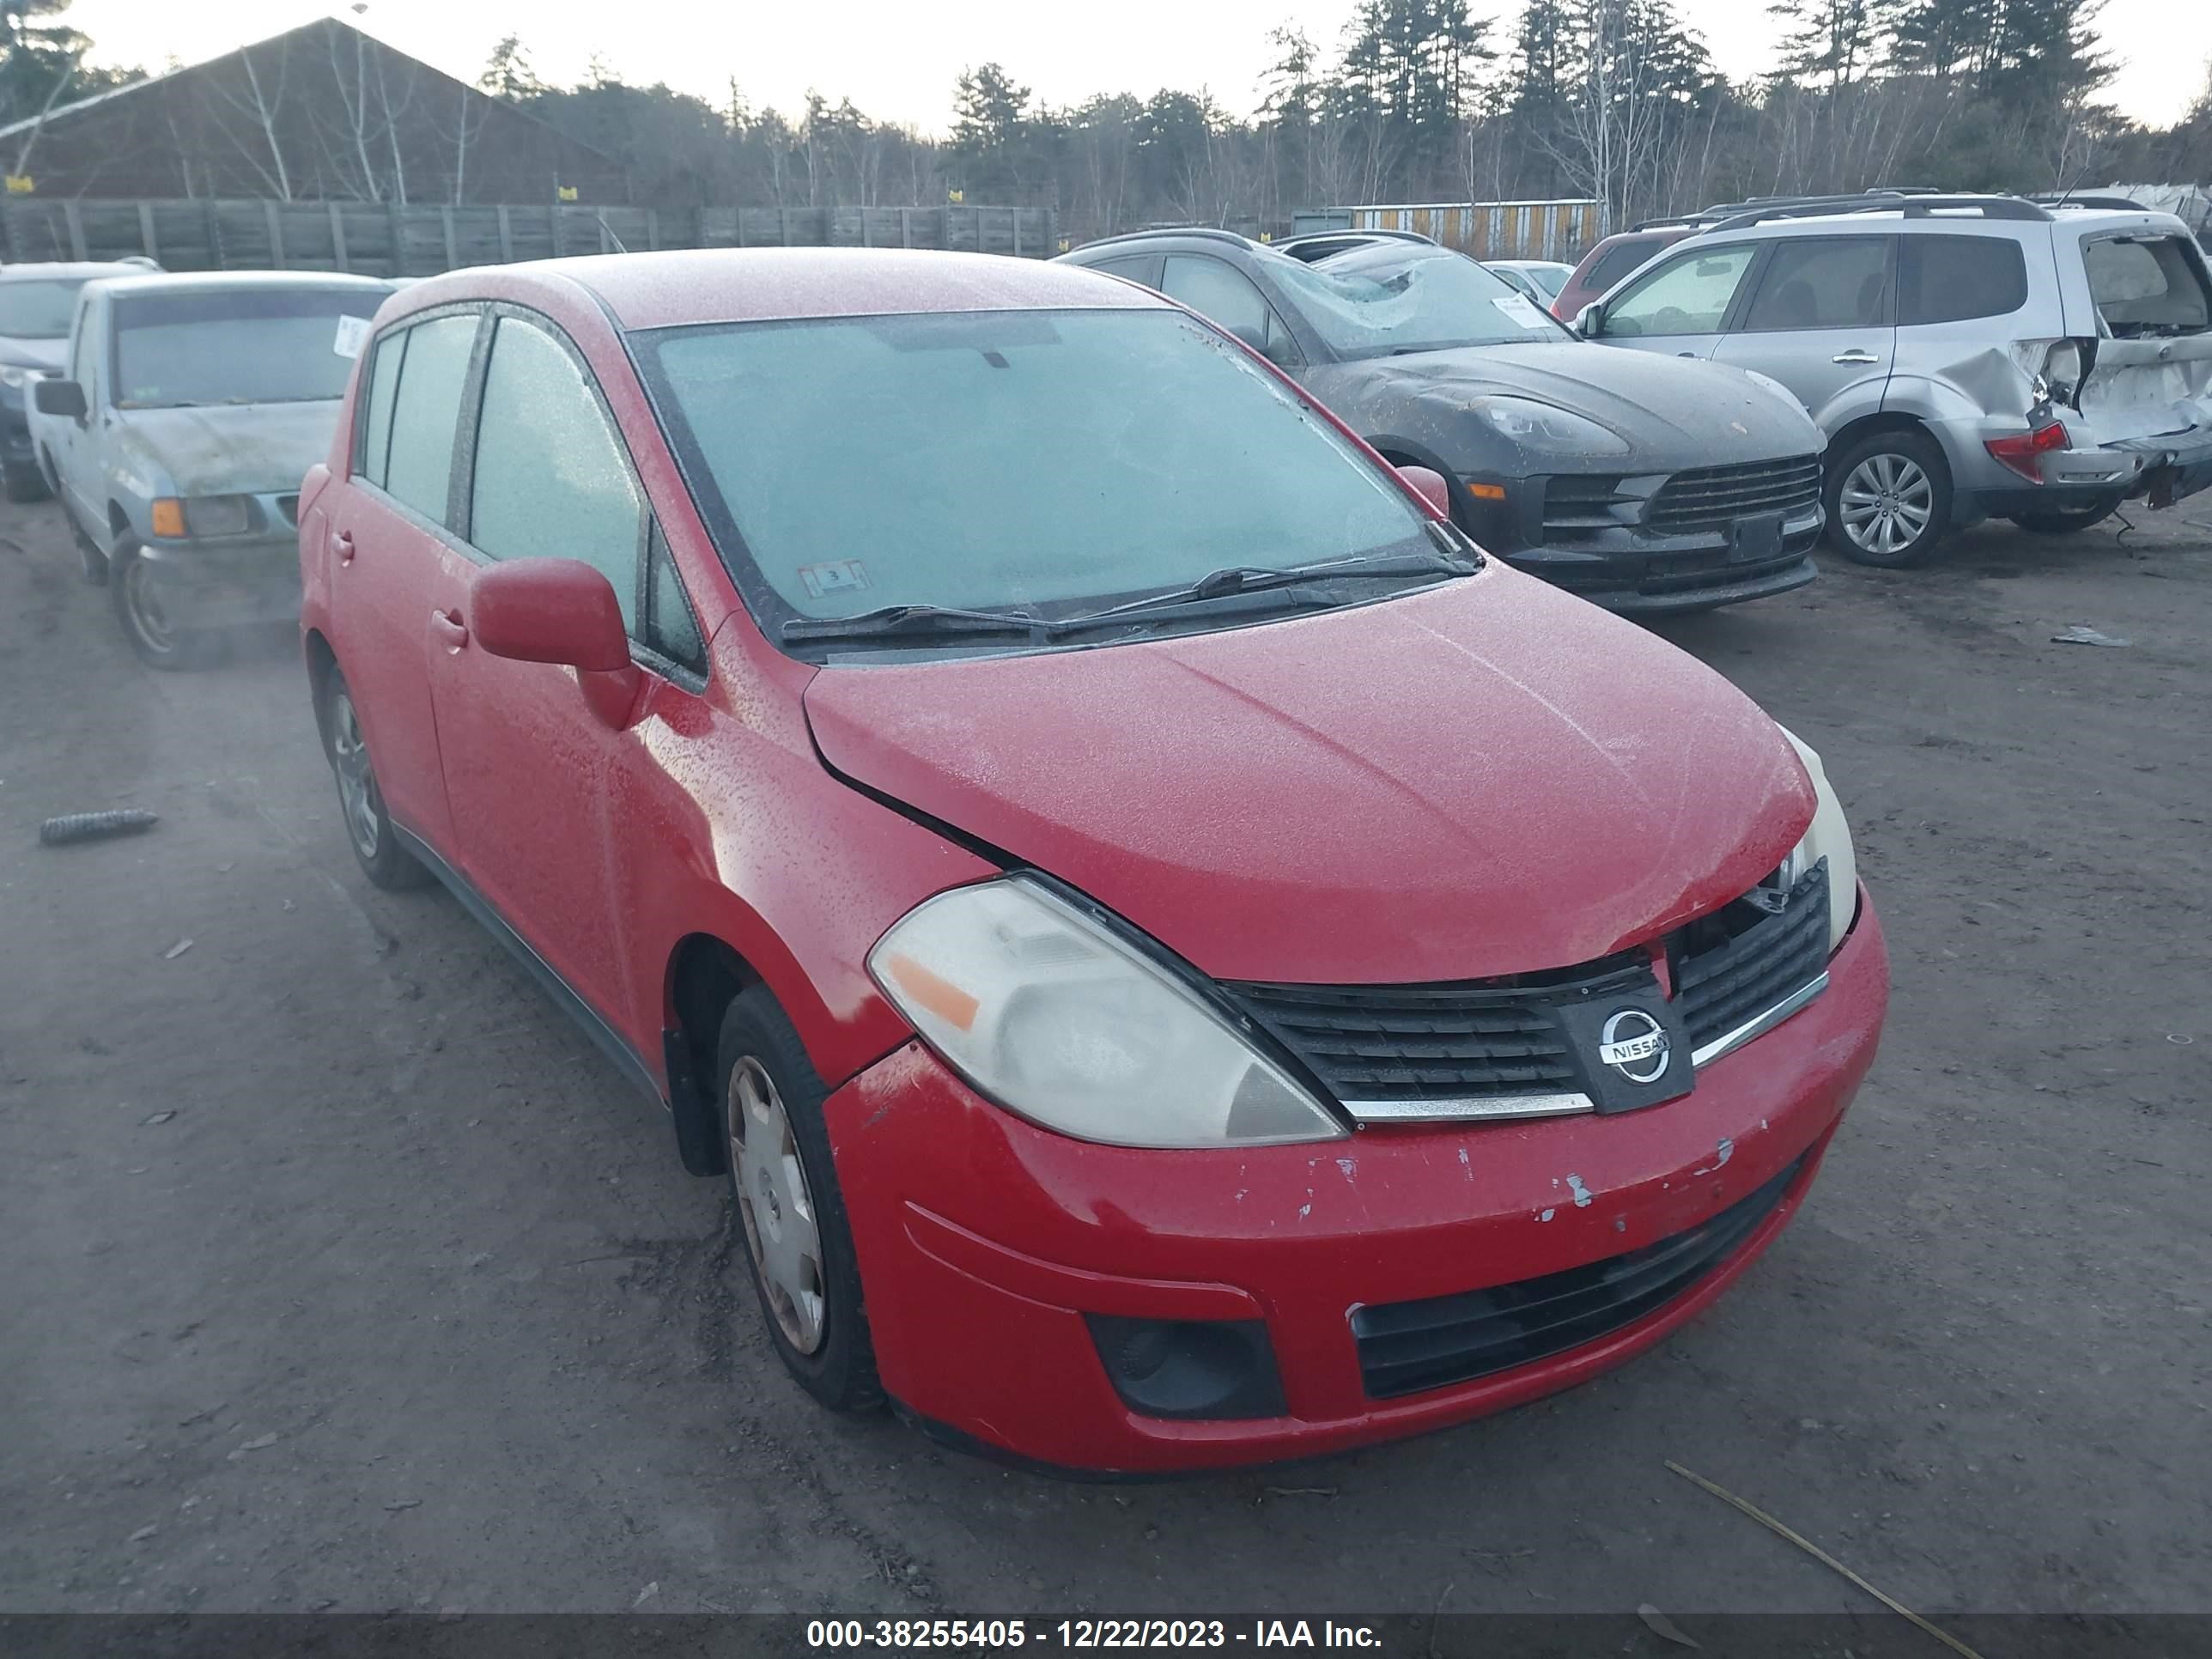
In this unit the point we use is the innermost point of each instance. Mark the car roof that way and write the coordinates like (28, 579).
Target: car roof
(232, 282)
(1531, 264)
(32, 270)
(675, 288)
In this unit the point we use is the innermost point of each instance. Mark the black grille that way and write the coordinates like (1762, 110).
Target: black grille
(1406, 1347)
(1407, 1043)
(1711, 497)
(1501, 1037)
(1748, 957)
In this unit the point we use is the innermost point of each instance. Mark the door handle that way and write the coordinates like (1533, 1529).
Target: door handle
(342, 544)
(1856, 355)
(448, 626)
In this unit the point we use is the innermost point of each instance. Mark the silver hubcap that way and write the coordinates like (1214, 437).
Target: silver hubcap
(356, 782)
(777, 1207)
(1887, 503)
(146, 614)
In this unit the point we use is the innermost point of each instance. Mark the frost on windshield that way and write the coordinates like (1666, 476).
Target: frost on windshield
(1431, 302)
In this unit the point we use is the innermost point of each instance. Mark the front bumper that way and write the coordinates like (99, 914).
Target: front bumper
(1641, 572)
(984, 1241)
(227, 582)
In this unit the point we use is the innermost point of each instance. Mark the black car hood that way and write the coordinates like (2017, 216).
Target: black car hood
(1673, 412)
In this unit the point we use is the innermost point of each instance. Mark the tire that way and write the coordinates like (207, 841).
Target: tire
(368, 830)
(138, 611)
(23, 483)
(2064, 521)
(783, 1184)
(1896, 489)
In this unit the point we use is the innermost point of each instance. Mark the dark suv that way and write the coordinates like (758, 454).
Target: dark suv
(1645, 485)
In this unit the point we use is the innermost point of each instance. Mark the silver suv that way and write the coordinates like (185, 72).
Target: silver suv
(1969, 356)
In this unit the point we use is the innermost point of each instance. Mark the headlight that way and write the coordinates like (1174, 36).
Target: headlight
(1541, 426)
(1056, 1017)
(17, 376)
(218, 515)
(1829, 838)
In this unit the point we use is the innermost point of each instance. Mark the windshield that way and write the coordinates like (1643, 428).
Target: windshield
(40, 310)
(1004, 458)
(269, 345)
(1379, 302)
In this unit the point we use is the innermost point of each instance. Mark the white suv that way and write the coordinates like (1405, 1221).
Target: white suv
(1969, 356)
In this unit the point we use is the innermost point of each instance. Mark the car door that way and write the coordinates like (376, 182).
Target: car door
(1821, 319)
(1226, 297)
(1681, 305)
(74, 449)
(387, 533)
(545, 794)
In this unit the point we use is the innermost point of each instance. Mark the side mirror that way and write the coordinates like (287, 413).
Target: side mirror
(62, 398)
(552, 611)
(1431, 486)
(1589, 321)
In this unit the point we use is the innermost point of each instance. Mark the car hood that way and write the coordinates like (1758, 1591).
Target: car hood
(1675, 412)
(234, 448)
(33, 354)
(1484, 778)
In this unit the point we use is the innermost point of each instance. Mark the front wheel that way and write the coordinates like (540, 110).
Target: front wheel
(784, 1181)
(134, 583)
(1888, 498)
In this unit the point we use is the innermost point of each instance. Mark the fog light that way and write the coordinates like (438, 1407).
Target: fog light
(1190, 1368)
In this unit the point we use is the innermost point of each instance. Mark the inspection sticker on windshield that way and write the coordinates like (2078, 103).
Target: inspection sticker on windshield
(1516, 306)
(845, 576)
(353, 335)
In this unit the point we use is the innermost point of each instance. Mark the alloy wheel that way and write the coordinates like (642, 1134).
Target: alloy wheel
(776, 1205)
(1887, 504)
(357, 792)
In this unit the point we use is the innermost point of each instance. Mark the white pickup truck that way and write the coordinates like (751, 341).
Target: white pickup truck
(192, 407)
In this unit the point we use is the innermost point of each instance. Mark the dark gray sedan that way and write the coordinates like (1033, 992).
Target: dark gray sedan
(1645, 484)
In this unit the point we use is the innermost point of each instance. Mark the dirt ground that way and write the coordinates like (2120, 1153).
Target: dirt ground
(339, 1272)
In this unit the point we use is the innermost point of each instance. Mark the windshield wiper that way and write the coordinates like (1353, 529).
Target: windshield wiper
(912, 619)
(1252, 579)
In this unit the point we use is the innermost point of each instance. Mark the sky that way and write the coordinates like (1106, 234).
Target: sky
(898, 60)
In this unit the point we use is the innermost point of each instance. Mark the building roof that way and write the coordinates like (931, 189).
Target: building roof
(61, 112)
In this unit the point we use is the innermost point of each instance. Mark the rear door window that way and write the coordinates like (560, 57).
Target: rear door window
(426, 414)
(552, 477)
(1620, 260)
(1824, 282)
(1686, 295)
(1954, 279)
(2146, 285)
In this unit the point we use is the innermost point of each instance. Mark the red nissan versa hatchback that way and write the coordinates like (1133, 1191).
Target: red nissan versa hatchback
(1183, 960)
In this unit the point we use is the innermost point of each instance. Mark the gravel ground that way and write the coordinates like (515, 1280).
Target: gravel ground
(341, 1274)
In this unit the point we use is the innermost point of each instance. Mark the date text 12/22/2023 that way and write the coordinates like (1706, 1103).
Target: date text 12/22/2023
(1082, 1633)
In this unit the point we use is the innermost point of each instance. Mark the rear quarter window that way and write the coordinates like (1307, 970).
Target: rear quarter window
(2146, 285)
(426, 411)
(1952, 279)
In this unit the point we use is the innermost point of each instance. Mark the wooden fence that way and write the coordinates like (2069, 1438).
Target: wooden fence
(381, 240)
